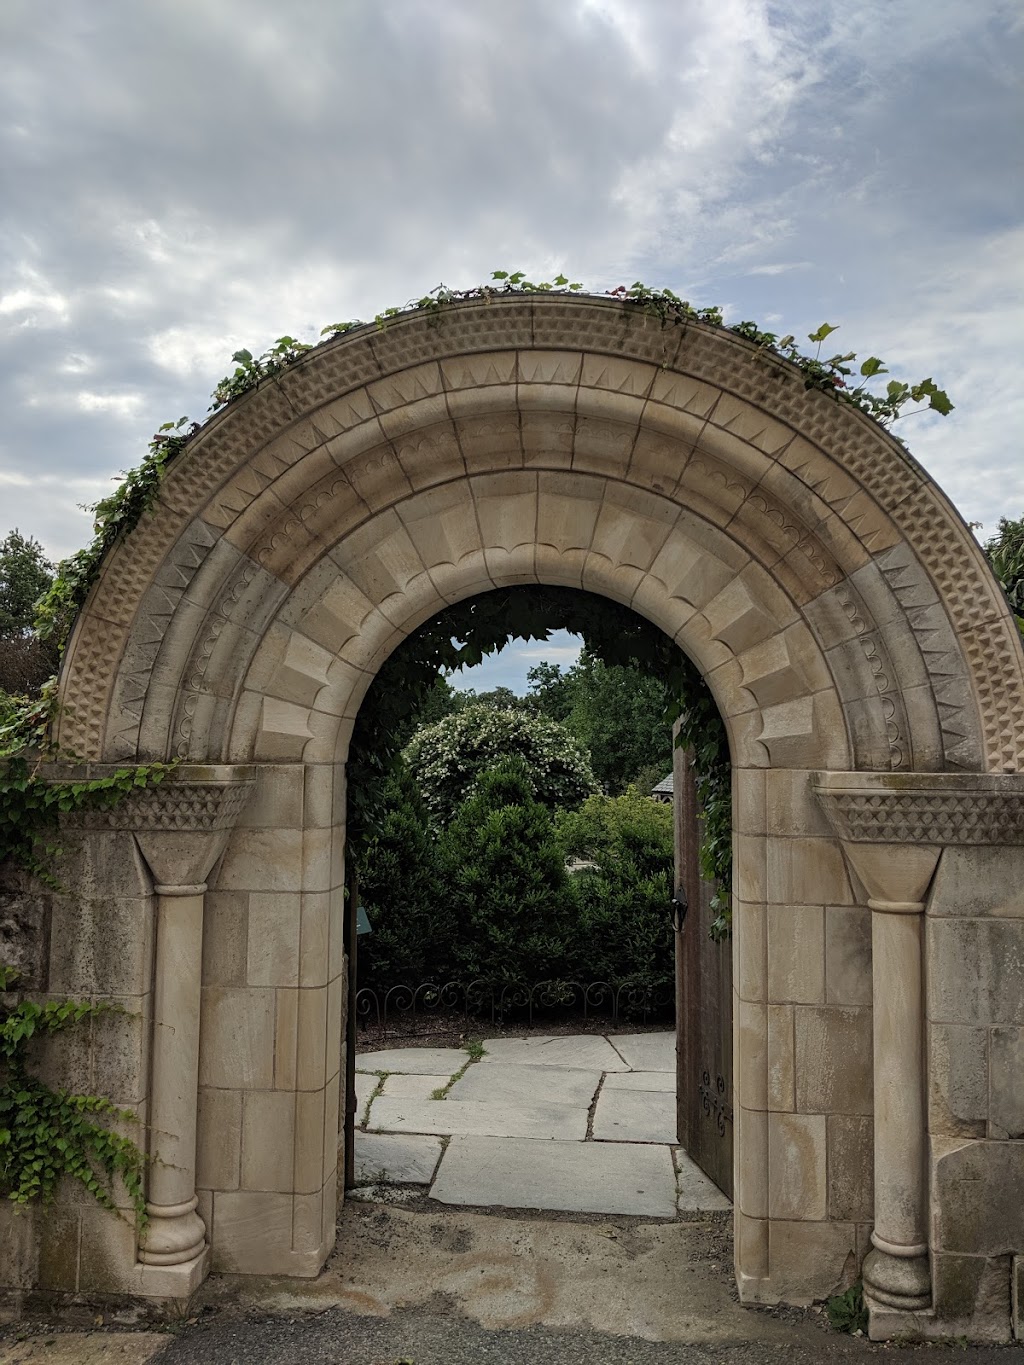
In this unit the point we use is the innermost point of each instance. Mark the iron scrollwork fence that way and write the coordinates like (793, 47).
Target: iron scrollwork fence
(385, 1011)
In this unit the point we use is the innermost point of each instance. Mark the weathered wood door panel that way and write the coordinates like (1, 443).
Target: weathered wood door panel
(703, 1003)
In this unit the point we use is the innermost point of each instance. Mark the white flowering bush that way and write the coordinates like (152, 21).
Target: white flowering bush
(447, 758)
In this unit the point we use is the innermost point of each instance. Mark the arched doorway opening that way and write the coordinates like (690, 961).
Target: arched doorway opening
(629, 972)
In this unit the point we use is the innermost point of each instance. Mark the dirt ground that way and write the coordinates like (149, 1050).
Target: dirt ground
(418, 1284)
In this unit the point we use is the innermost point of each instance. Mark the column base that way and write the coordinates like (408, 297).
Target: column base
(176, 1234)
(901, 1282)
(172, 1281)
(885, 1323)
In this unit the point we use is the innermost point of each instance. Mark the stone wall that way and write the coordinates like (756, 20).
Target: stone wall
(271, 1068)
(975, 1008)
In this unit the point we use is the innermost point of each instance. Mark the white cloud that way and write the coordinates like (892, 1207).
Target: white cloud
(117, 404)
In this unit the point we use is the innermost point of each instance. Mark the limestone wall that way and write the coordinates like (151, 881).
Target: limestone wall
(975, 1008)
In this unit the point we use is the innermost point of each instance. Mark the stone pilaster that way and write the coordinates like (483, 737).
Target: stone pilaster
(181, 827)
(893, 828)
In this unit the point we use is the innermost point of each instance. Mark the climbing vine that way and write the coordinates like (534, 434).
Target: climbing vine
(47, 1134)
(119, 513)
(32, 803)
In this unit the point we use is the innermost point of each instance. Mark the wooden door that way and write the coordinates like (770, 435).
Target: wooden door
(703, 1002)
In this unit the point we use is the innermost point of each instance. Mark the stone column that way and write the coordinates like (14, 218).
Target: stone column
(896, 877)
(176, 1233)
(181, 827)
(896, 1272)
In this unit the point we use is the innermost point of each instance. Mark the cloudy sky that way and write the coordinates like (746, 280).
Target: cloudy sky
(179, 178)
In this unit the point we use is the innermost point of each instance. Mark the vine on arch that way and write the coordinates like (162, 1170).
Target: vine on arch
(23, 804)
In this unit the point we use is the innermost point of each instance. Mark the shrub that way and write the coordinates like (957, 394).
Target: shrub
(447, 758)
(623, 899)
(507, 879)
(413, 925)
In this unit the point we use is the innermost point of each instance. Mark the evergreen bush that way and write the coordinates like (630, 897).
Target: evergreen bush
(506, 876)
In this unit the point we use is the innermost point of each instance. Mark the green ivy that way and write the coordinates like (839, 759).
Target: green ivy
(31, 804)
(48, 1134)
(123, 509)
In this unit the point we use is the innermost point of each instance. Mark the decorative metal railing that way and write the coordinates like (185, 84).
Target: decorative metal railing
(392, 1010)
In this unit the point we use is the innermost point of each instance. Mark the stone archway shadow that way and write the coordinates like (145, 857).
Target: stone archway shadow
(869, 673)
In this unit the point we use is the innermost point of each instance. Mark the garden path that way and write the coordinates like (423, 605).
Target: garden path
(577, 1124)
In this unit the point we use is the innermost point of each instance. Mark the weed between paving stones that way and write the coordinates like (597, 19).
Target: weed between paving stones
(476, 1050)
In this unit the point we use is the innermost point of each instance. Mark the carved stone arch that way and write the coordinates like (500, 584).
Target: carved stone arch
(842, 613)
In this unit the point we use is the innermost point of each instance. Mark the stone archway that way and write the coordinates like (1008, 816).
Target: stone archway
(867, 667)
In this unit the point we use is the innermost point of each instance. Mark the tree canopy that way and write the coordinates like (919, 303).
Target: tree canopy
(25, 574)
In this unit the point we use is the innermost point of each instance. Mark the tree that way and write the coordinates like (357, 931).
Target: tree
(503, 698)
(551, 691)
(25, 574)
(507, 878)
(1005, 552)
(616, 712)
(446, 759)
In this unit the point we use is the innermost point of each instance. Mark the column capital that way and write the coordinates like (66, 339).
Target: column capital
(924, 808)
(893, 826)
(181, 823)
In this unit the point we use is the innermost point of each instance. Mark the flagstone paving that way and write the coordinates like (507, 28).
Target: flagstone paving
(580, 1124)
(579, 1177)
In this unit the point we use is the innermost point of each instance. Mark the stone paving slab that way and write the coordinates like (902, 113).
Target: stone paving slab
(697, 1192)
(408, 1158)
(518, 1173)
(641, 1080)
(470, 1116)
(647, 1051)
(632, 1116)
(414, 1061)
(413, 1087)
(584, 1052)
(506, 1083)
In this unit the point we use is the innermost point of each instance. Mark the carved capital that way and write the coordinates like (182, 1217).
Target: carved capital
(893, 826)
(924, 808)
(182, 823)
(201, 798)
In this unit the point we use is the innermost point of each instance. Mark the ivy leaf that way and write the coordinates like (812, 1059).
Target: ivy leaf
(826, 329)
(939, 402)
(873, 366)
